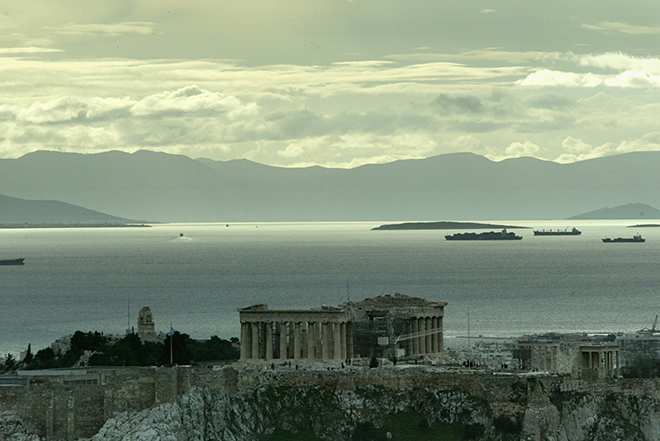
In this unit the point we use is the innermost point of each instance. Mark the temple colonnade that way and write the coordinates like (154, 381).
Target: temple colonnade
(425, 335)
(324, 334)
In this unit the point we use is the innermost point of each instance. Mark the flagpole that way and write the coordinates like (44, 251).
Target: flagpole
(171, 345)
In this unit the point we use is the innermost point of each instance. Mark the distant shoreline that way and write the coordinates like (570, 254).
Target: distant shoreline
(443, 225)
(644, 226)
(19, 226)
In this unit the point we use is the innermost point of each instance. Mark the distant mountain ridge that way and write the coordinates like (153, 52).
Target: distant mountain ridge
(628, 211)
(459, 186)
(14, 211)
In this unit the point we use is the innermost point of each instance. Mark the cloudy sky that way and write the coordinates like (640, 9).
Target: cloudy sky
(338, 83)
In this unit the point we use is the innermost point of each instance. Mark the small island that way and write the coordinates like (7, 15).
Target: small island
(444, 225)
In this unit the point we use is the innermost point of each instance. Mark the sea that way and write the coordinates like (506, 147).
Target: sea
(195, 277)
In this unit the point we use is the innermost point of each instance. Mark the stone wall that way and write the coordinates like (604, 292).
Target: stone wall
(68, 405)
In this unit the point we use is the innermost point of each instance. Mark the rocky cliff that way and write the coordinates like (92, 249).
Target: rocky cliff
(404, 403)
(407, 404)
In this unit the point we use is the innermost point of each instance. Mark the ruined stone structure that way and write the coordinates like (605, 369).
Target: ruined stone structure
(393, 326)
(315, 334)
(146, 321)
(569, 353)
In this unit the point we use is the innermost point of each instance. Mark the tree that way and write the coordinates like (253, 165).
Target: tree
(179, 352)
(28, 355)
(10, 362)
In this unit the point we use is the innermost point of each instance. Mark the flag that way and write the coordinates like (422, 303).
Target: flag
(171, 330)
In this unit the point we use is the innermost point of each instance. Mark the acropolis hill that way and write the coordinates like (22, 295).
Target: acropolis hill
(309, 375)
(246, 402)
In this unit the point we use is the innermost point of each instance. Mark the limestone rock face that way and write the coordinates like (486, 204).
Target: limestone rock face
(12, 428)
(213, 414)
(333, 414)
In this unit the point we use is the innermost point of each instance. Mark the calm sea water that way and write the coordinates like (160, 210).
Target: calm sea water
(90, 279)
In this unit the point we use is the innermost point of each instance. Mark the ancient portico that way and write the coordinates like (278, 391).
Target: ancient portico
(601, 357)
(385, 326)
(568, 353)
(314, 334)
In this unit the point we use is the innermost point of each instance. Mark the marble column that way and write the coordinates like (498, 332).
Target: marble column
(283, 354)
(617, 364)
(311, 340)
(408, 342)
(422, 338)
(429, 337)
(255, 340)
(297, 341)
(336, 340)
(325, 341)
(415, 340)
(342, 335)
(245, 344)
(434, 337)
(441, 336)
(349, 340)
(269, 341)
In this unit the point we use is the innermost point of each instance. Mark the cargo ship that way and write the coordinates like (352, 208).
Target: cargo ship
(566, 232)
(490, 235)
(12, 262)
(636, 238)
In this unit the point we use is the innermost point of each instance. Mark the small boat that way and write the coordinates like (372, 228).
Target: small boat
(566, 232)
(636, 238)
(12, 262)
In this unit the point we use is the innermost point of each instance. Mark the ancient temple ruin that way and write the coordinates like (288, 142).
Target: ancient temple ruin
(386, 326)
(569, 353)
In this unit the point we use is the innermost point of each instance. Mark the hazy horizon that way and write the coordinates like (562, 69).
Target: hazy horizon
(337, 84)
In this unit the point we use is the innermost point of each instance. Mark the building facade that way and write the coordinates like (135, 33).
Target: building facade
(386, 326)
(569, 353)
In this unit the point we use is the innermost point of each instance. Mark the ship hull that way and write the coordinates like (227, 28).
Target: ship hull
(12, 262)
(572, 232)
(491, 235)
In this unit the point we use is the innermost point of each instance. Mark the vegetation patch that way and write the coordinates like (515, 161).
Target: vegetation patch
(130, 350)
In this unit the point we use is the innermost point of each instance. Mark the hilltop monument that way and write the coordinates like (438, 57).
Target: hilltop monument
(146, 328)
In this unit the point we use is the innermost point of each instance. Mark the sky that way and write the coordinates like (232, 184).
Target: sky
(336, 83)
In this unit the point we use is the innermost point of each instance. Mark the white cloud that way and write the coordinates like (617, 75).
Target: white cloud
(27, 50)
(113, 29)
(192, 99)
(547, 77)
(623, 28)
(618, 61)
(70, 107)
(574, 145)
(519, 149)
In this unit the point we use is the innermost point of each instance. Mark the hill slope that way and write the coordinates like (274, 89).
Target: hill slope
(628, 211)
(21, 211)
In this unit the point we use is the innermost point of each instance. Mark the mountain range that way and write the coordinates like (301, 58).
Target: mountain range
(460, 186)
(628, 211)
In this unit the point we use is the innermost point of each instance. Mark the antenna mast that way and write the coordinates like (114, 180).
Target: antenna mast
(468, 318)
(128, 316)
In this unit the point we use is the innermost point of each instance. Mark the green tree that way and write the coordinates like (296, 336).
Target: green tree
(180, 353)
(28, 355)
(10, 362)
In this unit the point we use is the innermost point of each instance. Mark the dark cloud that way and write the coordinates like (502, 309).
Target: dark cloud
(457, 104)
(550, 101)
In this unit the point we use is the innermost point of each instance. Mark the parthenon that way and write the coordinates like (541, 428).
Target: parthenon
(394, 326)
